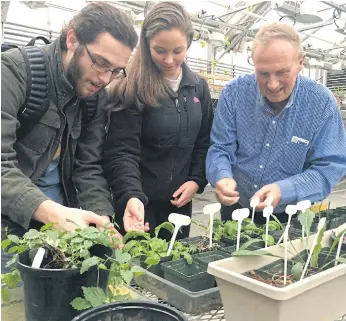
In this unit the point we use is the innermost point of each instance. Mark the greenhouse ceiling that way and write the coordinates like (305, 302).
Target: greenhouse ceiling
(228, 26)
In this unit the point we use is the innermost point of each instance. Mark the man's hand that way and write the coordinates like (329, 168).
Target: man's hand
(134, 216)
(68, 219)
(226, 191)
(184, 193)
(268, 192)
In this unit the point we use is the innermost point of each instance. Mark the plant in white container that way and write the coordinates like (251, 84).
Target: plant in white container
(252, 283)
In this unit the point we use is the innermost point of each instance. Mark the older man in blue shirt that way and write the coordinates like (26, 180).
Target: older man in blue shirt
(276, 134)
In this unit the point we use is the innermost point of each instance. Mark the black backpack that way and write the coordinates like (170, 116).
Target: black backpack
(39, 88)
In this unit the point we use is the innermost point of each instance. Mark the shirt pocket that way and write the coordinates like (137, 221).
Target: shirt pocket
(294, 157)
(41, 137)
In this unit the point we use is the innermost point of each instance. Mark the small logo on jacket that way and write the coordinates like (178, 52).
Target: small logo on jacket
(195, 100)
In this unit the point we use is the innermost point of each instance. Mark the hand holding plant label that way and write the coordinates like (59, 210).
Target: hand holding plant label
(268, 194)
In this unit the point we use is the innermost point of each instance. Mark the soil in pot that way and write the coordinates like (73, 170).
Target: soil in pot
(201, 244)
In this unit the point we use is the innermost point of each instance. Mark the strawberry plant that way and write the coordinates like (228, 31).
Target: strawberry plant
(64, 250)
(154, 248)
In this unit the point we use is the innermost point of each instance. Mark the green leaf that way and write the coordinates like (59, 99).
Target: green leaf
(13, 238)
(5, 295)
(77, 240)
(135, 234)
(297, 270)
(5, 244)
(11, 279)
(165, 225)
(80, 304)
(152, 258)
(306, 219)
(318, 248)
(95, 296)
(251, 253)
(122, 257)
(315, 254)
(47, 227)
(53, 236)
(102, 267)
(84, 254)
(271, 240)
(248, 243)
(126, 276)
(88, 263)
(31, 234)
(129, 245)
(188, 258)
(13, 249)
(87, 244)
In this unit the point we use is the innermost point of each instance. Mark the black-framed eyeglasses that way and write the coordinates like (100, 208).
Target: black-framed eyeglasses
(102, 68)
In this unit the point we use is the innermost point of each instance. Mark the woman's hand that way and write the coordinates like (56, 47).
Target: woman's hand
(184, 193)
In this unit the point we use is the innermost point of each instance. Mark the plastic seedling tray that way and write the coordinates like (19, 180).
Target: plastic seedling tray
(193, 277)
(177, 296)
(206, 257)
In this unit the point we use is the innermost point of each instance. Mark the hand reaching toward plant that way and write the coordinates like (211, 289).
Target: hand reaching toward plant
(68, 219)
(134, 216)
(270, 191)
(184, 193)
(226, 191)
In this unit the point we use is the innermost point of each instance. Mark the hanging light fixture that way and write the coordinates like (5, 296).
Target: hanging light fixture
(308, 13)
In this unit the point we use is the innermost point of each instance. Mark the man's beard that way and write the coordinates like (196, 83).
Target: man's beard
(74, 71)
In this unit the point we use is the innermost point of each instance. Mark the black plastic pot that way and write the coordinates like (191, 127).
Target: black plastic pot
(193, 277)
(156, 269)
(132, 311)
(49, 292)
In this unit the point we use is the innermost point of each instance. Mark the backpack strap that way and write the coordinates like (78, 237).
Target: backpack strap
(38, 91)
(34, 39)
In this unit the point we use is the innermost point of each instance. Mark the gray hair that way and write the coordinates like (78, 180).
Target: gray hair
(277, 30)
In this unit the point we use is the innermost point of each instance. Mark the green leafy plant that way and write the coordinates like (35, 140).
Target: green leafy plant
(154, 248)
(228, 230)
(298, 260)
(65, 250)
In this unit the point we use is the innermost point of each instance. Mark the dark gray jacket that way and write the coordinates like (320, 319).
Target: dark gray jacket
(24, 161)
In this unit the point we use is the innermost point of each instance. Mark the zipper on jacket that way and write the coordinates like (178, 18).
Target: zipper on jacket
(187, 115)
(178, 136)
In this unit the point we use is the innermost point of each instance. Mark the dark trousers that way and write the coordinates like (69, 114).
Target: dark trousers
(226, 214)
(157, 212)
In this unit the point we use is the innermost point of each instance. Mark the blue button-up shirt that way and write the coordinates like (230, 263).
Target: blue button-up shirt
(302, 149)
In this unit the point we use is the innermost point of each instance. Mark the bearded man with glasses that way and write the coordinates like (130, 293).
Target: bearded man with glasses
(54, 173)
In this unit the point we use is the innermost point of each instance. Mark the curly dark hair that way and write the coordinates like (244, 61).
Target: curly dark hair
(96, 18)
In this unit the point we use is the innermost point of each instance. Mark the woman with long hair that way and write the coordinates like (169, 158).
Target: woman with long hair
(160, 124)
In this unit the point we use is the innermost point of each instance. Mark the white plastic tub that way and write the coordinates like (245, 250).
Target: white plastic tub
(321, 297)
